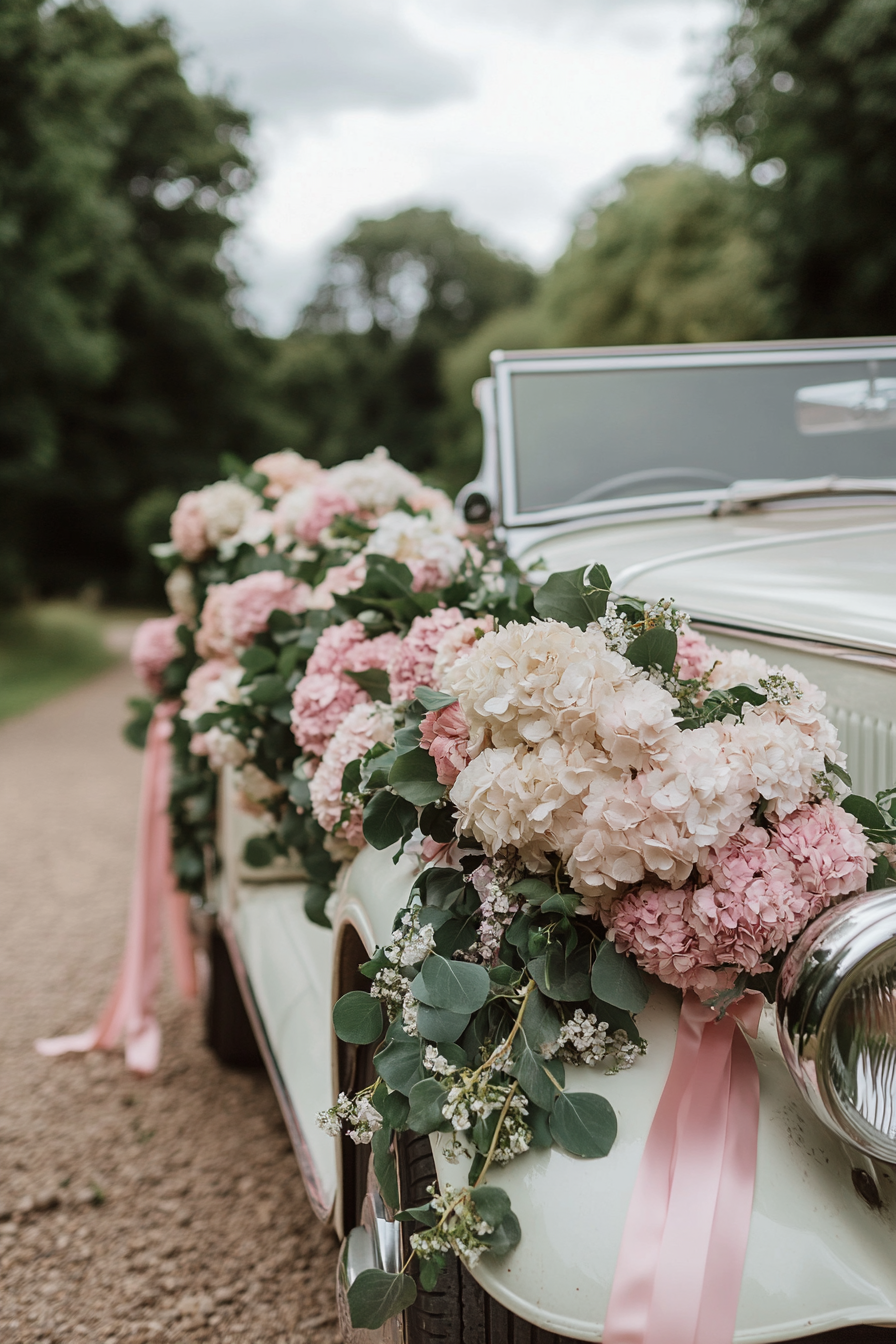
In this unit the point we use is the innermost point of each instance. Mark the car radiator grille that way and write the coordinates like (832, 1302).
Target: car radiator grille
(870, 746)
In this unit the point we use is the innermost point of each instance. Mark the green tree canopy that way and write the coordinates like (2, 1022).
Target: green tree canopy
(806, 92)
(121, 367)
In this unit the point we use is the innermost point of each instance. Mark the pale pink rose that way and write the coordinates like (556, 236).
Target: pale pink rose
(285, 471)
(188, 527)
(695, 656)
(413, 663)
(155, 645)
(307, 510)
(234, 613)
(445, 734)
(325, 694)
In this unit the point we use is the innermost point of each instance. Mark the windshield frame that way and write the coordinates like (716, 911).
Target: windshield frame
(615, 358)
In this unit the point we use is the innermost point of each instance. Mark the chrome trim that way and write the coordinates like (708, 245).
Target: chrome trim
(815, 978)
(319, 1203)
(613, 359)
(872, 656)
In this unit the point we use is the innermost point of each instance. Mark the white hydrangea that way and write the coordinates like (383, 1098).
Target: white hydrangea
(225, 506)
(376, 483)
(416, 540)
(181, 593)
(221, 748)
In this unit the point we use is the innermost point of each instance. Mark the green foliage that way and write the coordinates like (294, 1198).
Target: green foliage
(617, 979)
(583, 1123)
(358, 1018)
(806, 92)
(576, 596)
(374, 1296)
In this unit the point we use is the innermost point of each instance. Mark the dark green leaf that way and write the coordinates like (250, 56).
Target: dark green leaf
(492, 1204)
(376, 1296)
(430, 1271)
(351, 778)
(388, 819)
(413, 776)
(866, 813)
(458, 985)
(288, 660)
(562, 975)
(315, 899)
(533, 890)
(433, 699)
(441, 1024)
(833, 768)
(400, 1062)
(655, 648)
(267, 689)
(406, 739)
(881, 875)
(538, 1122)
(616, 979)
(439, 823)
(393, 1107)
(567, 596)
(375, 681)
(583, 1123)
(358, 1018)
(375, 768)
(535, 1073)
(260, 851)
(426, 1102)
(422, 1213)
(483, 1132)
(440, 887)
(384, 1166)
(505, 1236)
(561, 903)
(258, 659)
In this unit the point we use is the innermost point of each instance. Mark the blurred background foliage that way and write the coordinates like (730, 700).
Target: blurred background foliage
(127, 366)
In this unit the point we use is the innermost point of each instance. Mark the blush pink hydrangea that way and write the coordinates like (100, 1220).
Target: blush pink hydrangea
(415, 658)
(363, 725)
(695, 655)
(305, 512)
(155, 645)
(829, 850)
(325, 694)
(445, 734)
(234, 613)
(285, 471)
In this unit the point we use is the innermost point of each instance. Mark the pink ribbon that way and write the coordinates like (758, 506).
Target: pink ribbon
(129, 1011)
(681, 1259)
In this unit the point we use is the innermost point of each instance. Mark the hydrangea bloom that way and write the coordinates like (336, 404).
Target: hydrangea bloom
(433, 553)
(234, 613)
(305, 512)
(204, 518)
(325, 695)
(362, 726)
(415, 658)
(375, 484)
(285, 471)
(445, 734)
(154, 646)
(695, 655)
(181, 593)
(458, 642)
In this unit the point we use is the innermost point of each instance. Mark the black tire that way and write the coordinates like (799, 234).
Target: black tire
(228, 1030)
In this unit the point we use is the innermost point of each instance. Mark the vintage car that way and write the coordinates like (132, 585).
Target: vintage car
(756, 485)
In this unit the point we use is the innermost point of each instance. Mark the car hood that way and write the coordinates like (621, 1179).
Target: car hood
(821, 573)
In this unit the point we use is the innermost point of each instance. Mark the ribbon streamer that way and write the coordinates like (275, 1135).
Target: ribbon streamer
(129, 1011)
(683, 1246)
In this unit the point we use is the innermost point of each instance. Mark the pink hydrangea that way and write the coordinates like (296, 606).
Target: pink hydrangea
(413, 663)
(695, 655)
(364, 725)
(285, 471)
(155, 645)
(445, 734)
(757, 894)
(829, 851)
(234, 613)
(305, 512)
(339, 579)
(188, 526)
(325, 695)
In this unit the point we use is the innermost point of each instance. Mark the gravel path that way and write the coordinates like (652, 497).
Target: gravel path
(131, 1209)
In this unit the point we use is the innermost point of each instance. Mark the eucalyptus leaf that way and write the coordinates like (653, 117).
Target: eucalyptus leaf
(384, 1166)
(314, 901)
(866, 813)
(617, 979)
(426, 1102)
(258, 659)
(505, 1236)
(393, 1107)
(441, 1024)
(375, 1296)
(576, 596)
(535, 1073)
(440, 887)
(267, 689)
(388, 819)
(400, 1061)
(260, 851)
(421, 1213)
(458, 985)
(533, 890)
(430, 699)
(561, 903)
(430, 1270)
(561, 974)
(492, 1203)
(413, 776)
(539, 1123)
(358, 1018)
(583, 1123)
(375, 681)
(655, 648)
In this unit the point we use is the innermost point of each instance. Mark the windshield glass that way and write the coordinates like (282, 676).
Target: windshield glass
(594, 435)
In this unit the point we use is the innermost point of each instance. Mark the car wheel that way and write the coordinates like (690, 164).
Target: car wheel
(228, 1030)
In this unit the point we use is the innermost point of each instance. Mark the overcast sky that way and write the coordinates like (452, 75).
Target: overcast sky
(509, 112)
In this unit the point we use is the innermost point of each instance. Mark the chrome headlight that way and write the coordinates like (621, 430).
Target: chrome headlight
(836, 1013)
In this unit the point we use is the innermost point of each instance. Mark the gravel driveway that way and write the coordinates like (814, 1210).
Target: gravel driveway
(131, 1209)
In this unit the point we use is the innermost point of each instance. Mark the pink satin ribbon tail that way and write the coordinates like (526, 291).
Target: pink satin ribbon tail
(129, 1011)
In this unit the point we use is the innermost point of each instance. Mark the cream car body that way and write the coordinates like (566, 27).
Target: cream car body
(804, 574)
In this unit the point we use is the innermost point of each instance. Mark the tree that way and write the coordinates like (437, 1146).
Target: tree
(364, 364)
(121, 367)
(805, 90)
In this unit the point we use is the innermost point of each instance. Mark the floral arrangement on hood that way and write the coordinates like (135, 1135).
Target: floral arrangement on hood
(594, 793)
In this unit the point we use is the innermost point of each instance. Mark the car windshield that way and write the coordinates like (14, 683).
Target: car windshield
(583, 435)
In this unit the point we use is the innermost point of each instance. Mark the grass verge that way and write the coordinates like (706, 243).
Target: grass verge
(46, 649)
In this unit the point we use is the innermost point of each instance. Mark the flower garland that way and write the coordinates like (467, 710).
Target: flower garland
(593, 792)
